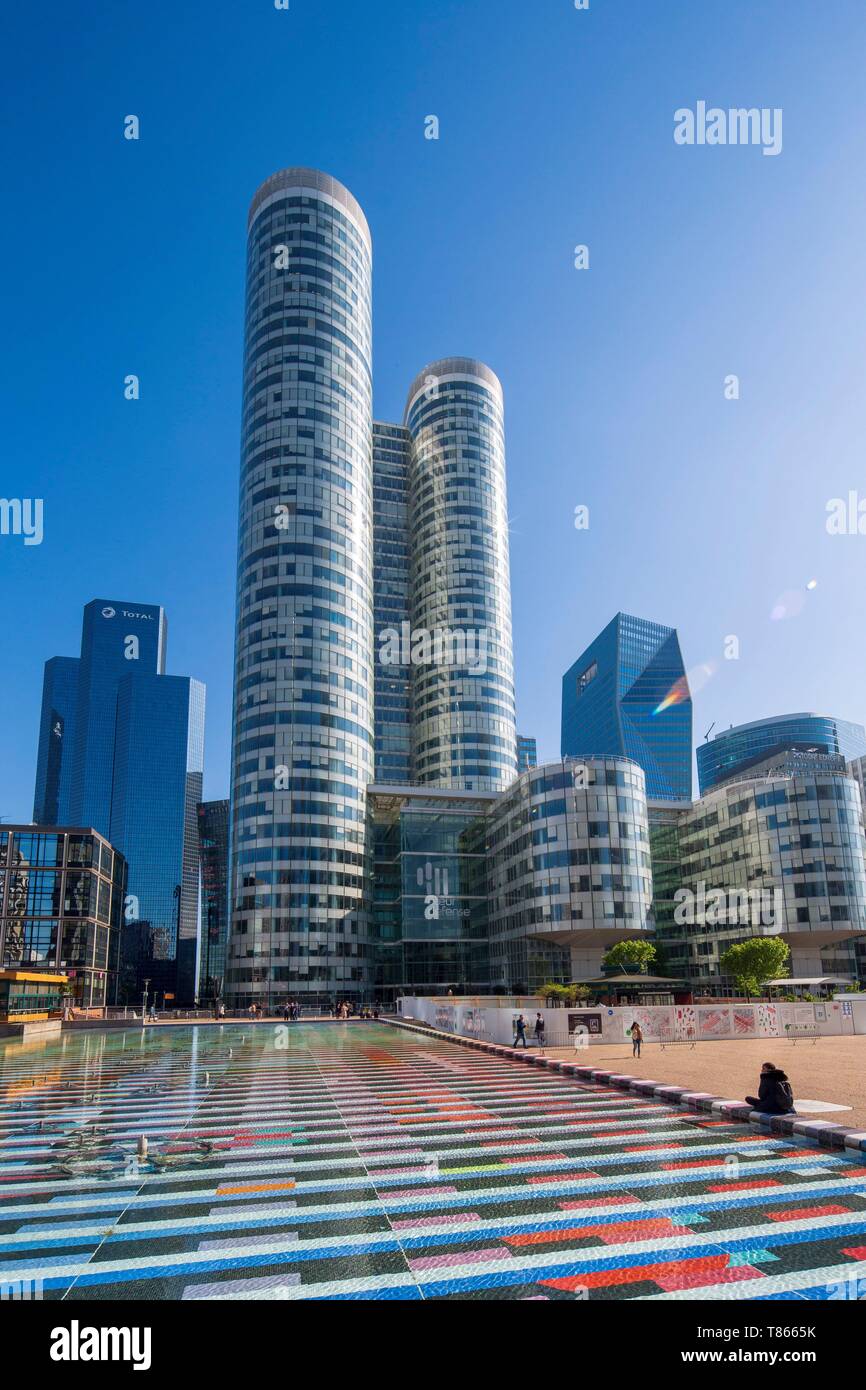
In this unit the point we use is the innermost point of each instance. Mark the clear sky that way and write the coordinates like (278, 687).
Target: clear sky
(556, 129)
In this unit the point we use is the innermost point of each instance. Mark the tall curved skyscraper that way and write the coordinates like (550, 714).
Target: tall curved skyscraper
(463, 726)
(302, 751)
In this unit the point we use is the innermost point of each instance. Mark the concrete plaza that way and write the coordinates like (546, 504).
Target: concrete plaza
(831, 1069)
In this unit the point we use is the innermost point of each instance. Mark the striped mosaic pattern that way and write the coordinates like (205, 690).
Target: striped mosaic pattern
(341, 1161)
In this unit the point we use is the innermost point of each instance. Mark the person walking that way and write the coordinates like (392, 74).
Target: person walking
(519, 1031)
(539, 1031)
(775, 1095)
(636, 1038)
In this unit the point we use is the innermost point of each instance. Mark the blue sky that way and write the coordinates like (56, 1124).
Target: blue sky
(556, 128)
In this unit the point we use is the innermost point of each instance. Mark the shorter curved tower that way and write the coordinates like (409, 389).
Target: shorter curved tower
(568, 870)
(463, 724)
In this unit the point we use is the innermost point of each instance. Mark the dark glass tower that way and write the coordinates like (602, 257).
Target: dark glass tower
(157, 785)
(116, 639)
(628, 695)
(129, 765)
(56, 740)
(302, 752)
(213, 839)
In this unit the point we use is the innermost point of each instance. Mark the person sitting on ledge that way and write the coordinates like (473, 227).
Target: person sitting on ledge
(775, 1096)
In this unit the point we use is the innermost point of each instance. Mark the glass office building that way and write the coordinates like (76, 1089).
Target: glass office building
(568, 870)
(781, 855)
(128, 763)
(51, 802)
(213, 839)
(302, 747)
(429, 891)
(116, 639)
(627, 695)
(527, 752)
(157, 785)
(463, 731)
(732, 752)
(61, 905)
(393, 678)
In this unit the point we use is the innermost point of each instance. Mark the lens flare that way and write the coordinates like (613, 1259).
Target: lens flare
(790, 604)
(687, 685)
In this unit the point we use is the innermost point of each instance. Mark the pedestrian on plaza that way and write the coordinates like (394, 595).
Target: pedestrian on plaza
(519, 1031)
(636, 1038)
(539, 1031)
(775, 1095)
(287, 1012)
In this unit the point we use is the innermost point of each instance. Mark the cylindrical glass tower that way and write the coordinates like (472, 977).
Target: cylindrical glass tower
(302, 752)
(463, 730)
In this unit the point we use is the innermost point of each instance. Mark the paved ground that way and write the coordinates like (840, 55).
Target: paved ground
(831, 1069)
(363, 1161)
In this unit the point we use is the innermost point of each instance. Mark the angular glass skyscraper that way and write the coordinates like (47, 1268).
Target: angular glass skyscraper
(734, 750)
(463, 730)
(128, 762)
(628, 695)
(303, 709)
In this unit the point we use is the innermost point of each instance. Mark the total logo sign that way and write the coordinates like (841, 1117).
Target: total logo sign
(126, 613)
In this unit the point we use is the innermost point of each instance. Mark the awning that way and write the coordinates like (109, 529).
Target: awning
(641, 980)
(811, 980)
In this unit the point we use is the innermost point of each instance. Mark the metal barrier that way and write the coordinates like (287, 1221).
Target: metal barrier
(677, 1042)
(802, 1032)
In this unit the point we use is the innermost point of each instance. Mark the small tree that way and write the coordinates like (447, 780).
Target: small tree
(554, 993)
(752, 962)
(630, 953)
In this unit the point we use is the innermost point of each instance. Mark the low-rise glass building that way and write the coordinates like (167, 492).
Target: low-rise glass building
(61, 905)
(779, 855)
(568, 870)
(429, 890)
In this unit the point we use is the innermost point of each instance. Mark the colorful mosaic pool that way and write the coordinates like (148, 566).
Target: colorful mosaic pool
(335, 1161)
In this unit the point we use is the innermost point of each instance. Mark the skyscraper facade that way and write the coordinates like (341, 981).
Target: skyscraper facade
(527, 752)
(213, 839)
(302, 752)
(156, 788)
(734, 750)
(56, 740)
(373, 632)
(393, 678)
(628, 695)
(116, 639)
(128, 763)
(463, 730)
